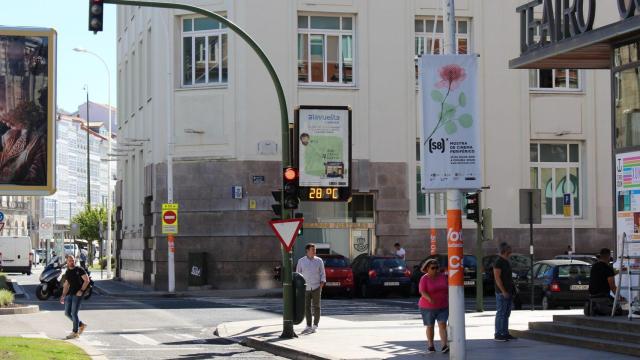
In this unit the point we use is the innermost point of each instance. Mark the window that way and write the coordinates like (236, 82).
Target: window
(325, 49)
(555, 169)
(554, 79)
(429, 41)
(204, 52)
(627, 97)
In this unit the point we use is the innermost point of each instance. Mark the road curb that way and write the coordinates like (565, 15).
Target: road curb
(281, 350)
(242, 293)
(93, 353)
(18, 291)
(29, 309)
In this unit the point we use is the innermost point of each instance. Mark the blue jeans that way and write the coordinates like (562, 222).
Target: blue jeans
(503, 311)
(71, 308)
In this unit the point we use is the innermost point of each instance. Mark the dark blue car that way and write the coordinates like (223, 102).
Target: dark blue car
(375, 275)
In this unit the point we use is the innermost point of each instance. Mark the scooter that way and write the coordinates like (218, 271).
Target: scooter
(50, 284)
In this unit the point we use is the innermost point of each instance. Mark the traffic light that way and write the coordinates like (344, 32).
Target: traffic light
(277, 207)
(473, 206)
(96, 11)
(290, 188)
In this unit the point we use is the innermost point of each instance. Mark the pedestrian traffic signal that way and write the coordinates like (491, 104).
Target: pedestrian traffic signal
(473, 206)
(96, 11)
(290, 188)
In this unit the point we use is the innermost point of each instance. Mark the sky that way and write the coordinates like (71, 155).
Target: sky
(70, 19)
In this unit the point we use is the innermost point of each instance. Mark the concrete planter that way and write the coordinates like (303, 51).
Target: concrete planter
(26, 309)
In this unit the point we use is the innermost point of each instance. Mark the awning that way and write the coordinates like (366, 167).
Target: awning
(590, 50)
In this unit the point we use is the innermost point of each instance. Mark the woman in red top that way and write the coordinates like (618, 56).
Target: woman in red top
(434, 303)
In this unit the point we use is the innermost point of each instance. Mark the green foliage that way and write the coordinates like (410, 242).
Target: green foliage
(16, 348)
(6, 298)
(103, 263)
(89, 222)
(466, 121)
(450, 127)
(462, 99)
(437, 96)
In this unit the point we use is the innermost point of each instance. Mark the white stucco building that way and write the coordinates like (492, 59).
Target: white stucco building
(178, 72)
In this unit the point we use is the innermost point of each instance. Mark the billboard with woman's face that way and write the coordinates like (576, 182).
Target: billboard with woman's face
(27, 111)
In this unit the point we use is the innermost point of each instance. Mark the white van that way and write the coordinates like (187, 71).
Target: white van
(15, 254)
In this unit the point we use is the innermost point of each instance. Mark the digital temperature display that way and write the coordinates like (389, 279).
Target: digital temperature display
(324, 193)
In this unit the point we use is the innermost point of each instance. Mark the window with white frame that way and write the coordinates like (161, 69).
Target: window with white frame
(204, 52)
(555, 169)
(429, 37)
(554, 79)
(326, 49)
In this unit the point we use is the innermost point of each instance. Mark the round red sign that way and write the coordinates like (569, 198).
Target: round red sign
(169, 217)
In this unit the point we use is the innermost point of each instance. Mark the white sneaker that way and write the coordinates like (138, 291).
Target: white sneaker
(308, 329)
(315, 327)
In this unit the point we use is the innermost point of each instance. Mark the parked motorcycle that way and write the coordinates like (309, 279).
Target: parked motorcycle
(51, 284)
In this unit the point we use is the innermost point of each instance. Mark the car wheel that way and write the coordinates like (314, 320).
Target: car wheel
(546, 303)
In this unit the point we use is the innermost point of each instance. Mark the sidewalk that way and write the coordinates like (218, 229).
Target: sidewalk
(342, 339)
(122, 289)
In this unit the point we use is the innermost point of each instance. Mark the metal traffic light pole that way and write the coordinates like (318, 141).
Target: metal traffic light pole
(287, 291)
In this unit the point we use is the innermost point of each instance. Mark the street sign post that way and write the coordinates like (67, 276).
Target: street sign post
(531, 213)
(170, 219)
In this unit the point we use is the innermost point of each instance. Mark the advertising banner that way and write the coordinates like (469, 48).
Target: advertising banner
(455, 251)
(324, 146)
(628, 203)
(27, 111)
(451, 124)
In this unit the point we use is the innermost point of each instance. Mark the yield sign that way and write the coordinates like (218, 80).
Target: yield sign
(287, 231)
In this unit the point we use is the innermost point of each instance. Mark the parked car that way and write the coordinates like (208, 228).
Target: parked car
(520, 265)
(591, 259)
(555, 283)
(380, 274)
(339, 275)
(71, 249)
(469, 263)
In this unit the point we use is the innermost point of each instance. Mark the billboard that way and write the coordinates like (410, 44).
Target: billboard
(27, 111)
(450, 122)
(324, 146)
(628, 203)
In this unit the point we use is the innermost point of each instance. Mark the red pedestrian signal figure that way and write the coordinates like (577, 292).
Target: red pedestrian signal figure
(96, 12)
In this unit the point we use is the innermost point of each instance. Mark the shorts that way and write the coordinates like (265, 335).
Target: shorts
(429, 316)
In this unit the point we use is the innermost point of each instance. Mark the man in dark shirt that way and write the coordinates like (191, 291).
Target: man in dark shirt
(76, 282)
(602, 280)
(504, 293)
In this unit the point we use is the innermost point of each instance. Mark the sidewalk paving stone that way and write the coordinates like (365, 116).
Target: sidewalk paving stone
(343, 339)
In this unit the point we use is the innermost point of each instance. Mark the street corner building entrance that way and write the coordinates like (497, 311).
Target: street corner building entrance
(591, 34)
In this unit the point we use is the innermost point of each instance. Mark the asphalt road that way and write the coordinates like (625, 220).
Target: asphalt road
(183, 328)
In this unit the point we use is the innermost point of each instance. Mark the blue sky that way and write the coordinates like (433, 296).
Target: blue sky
(70, 19)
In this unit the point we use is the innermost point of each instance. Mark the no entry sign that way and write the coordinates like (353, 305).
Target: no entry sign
(169, 218)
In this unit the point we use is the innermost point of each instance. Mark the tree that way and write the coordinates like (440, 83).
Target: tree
(89, 225)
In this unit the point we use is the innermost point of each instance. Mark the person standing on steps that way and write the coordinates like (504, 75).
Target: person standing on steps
(311, 268)
(76, 282)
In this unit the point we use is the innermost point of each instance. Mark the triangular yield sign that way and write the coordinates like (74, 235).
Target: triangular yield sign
(286, 231)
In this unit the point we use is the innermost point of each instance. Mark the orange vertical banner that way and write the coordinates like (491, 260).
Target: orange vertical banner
(455, 247)
(434, 244)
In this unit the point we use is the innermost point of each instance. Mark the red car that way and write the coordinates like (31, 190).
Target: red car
(339, 275)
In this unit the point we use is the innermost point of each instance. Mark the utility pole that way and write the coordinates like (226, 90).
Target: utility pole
(479, 255)
(454, 223)
(88, 155)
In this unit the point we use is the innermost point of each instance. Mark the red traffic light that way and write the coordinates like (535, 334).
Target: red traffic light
(290, 174)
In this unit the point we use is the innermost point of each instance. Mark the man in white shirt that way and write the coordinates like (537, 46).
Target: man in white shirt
(311, 268)
(399, 251)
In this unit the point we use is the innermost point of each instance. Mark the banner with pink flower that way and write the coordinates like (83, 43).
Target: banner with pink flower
(451, 125)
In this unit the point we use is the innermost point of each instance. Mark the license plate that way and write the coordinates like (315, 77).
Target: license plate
(469, 282)
(391, 283)
(579, 287)
(333, 284)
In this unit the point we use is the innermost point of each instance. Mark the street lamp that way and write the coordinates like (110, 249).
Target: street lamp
(109, 151)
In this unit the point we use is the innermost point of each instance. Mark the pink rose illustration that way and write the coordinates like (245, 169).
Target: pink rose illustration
(452, 75)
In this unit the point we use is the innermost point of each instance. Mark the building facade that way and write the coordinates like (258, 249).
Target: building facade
(190, 88)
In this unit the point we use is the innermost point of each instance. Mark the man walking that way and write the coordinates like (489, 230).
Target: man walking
(504, 293)
(76, 281)
(312, 269)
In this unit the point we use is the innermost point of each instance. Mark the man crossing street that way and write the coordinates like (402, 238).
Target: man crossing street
(312, 269)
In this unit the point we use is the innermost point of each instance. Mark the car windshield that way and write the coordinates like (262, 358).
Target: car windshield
(572, 271)
(387, 263)
(336, 262)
